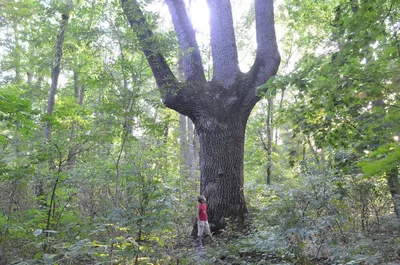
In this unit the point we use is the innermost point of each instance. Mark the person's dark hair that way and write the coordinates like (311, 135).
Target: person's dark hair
(201, 198)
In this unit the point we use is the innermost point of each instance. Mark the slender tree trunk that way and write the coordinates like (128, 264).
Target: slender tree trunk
(117, 196)
(186, 133)
(196, 148)
(184, 140)
(29, 76)
(269, 137)
(74, 148)
(17, 51)
(184, 163)
(39, 81)
(293, 153)
(313, 151)
(165, 155)
(394, 188)
(196, 157)
(81, 95)
(127, 125)
(52, 204)
(280, 107)
(55, 72)
(191, 155)
(77, 89)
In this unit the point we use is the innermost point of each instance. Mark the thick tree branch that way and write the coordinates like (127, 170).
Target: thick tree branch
(267, 57)
(165, 79)
(223, 43)
(192, 64)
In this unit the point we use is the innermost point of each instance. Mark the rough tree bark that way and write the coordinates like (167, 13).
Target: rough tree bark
(218, 108)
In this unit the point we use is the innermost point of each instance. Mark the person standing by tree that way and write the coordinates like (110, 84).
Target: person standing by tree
(202, 220)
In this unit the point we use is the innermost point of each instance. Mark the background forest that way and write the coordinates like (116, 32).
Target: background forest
(95, 170)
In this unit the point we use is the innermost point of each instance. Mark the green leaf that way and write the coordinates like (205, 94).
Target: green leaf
(37, 232)
(48, 258)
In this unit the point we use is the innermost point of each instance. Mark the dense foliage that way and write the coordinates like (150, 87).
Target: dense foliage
(108, 186)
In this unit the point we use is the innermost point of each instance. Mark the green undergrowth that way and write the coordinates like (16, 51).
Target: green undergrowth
(275, 245)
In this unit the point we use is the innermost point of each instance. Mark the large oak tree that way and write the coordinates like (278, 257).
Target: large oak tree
(219, 108)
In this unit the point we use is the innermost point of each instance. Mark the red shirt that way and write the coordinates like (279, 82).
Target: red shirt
(203, 212)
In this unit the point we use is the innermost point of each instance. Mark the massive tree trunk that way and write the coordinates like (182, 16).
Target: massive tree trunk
(218, 108)
(221, 163)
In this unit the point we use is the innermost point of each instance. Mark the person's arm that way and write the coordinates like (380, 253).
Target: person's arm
(198, 213)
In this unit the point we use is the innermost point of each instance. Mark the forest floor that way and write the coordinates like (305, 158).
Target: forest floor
(375, 247)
